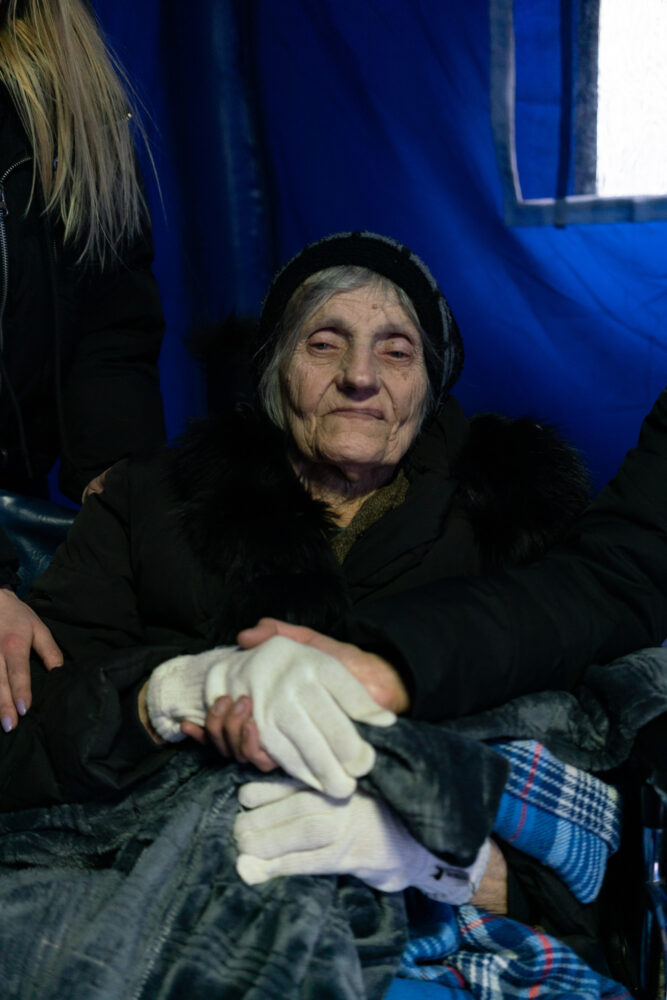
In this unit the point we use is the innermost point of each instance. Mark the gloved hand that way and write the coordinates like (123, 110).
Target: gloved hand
(303, 704)
(177, 689)
(291, 830)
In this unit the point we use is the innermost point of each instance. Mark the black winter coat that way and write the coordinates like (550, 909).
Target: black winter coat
(181, 552)
(599, 595)
(79, 345)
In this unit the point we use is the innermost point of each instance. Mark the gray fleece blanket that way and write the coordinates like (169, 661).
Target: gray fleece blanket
(594, 727)
(139, 899)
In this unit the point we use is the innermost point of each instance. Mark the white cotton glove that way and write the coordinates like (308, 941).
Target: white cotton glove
(291, 830)
(177, 688)
(303, 704)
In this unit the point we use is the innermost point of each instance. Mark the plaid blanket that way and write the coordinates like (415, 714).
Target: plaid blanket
(563, 817)
(568, 820)
(488, 956)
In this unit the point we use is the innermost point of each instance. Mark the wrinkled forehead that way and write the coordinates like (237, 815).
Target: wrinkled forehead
(363, 308)
(325, 287)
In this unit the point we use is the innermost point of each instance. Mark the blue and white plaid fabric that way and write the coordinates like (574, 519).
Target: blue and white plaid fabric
(563, 817)
(490, 957)
(568, 820)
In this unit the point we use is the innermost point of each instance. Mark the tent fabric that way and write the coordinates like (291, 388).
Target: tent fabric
(277, 123)
(543, 85)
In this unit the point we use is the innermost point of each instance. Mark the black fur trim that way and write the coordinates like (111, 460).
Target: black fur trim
(251, 522)
(255, 528)
(522, 486)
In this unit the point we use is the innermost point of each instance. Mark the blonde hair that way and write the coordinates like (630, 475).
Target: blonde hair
(73, 101)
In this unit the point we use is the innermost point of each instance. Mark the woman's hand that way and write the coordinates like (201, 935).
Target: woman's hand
(20, 631)
(305, 704)
(380, 679)
(96, 485)
(288, 829)
(230, 726)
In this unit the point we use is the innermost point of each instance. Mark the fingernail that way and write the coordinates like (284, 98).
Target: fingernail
(240, 707)
(6, 724)
(21, 707)
(220, 705)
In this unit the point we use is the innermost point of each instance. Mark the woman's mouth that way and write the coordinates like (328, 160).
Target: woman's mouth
(358, 412)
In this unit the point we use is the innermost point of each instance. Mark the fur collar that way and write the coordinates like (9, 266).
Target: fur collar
(521, 485)
(252, 524)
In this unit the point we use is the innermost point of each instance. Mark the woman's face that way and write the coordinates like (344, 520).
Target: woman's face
(355, 387)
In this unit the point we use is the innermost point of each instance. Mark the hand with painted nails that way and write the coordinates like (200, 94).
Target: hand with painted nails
(20, 632)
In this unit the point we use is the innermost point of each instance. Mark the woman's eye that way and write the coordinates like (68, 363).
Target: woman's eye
(398, 351)
(322, 342)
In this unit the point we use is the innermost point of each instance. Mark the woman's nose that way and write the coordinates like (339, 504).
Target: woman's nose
(358, 369)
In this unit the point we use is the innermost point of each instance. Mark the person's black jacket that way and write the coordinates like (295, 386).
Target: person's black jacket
(602, 593)
(79, 345)
(181, 552)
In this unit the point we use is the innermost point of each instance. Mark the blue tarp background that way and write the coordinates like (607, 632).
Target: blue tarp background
(274, 122)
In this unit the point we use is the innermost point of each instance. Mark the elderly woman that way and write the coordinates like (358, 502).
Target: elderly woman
(339, 486)
(352, 476)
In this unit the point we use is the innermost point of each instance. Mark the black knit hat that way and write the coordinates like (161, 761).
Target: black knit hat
(384, 256)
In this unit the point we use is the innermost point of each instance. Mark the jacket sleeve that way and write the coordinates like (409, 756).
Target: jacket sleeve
(8, 562)
(111, 398)
(465, 646)
(82, 736)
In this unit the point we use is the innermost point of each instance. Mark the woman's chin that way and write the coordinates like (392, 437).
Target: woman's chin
(358, 462)
(354, 456)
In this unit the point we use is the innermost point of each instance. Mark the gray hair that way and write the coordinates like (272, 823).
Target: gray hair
(310, 296)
